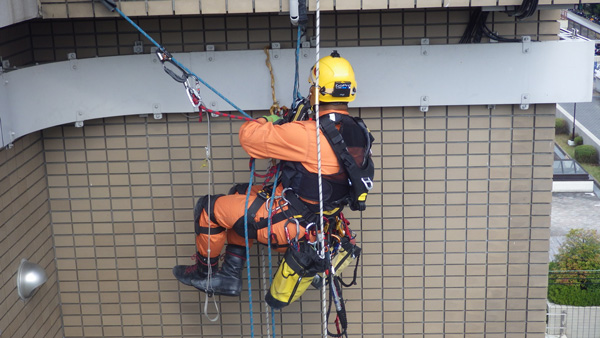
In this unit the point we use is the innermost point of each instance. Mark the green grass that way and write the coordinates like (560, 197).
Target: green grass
(592, 169)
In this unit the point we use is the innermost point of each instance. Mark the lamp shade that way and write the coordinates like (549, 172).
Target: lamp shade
(30, 277)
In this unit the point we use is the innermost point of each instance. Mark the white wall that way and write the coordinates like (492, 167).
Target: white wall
(14, 11)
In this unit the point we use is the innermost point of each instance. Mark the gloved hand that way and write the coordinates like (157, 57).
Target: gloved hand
(272, 118)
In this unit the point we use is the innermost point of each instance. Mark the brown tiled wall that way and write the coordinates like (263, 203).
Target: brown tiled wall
(52, 9)
(25, 232)
(51, 40)
(455, 237)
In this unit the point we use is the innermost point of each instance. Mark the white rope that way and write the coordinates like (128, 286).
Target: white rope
(265, 289)
(320, 236)
(209, 277)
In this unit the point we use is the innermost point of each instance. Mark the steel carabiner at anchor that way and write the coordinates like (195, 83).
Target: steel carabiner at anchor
(166, 59)
(193, 91)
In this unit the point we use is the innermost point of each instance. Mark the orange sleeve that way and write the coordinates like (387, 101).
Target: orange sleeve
(289, 142)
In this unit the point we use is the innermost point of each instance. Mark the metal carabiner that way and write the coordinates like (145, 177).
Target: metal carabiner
(163, 55)
(281, 203)
(181, 78)
(277, 203)
(283, 194)
(193, 92)
(307, 233)
(165, 58)
(289, 220)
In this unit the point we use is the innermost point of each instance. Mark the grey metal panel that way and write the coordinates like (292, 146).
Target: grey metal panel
(498, 73)
(13, 11)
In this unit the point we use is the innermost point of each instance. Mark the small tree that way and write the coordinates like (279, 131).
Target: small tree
(576, 280)
(580, 251)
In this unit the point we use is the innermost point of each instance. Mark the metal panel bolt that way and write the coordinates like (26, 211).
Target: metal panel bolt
(138, 47)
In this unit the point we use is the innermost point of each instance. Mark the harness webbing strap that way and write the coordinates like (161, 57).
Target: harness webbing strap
(206, 203)
(353, 282)
(298, 210)
(359, 178)
(206, 231)
(301, 208)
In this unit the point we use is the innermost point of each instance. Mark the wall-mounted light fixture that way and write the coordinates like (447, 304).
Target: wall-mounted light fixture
(30, 277)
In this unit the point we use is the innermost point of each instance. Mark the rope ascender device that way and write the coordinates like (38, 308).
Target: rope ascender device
(328, 246)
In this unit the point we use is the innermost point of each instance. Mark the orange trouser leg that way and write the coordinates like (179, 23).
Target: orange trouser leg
(216, 235)
(227, 210)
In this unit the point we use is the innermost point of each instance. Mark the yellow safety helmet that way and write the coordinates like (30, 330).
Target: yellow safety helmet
(336, 79)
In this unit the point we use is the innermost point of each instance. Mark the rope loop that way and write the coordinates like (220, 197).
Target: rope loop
(275, 106)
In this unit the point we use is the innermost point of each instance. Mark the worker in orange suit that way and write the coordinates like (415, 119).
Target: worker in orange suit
(221, 218)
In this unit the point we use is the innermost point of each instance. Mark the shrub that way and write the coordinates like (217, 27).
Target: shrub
(586, 154)
(580, 251)
(571, 282)
(571, 137)
(578, 140)
(561, 126)
(573, 295)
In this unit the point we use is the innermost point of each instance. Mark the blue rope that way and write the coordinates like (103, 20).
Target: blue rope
(269, 243)
(177, 63)
(248, 249)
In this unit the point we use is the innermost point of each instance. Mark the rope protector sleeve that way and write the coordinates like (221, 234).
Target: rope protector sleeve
(302, 13)
(109, 4)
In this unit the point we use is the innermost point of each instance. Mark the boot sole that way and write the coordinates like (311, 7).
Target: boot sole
(219, 293)
(227, 294)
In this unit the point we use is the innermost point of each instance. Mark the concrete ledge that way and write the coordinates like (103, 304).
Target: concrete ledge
(573, 186)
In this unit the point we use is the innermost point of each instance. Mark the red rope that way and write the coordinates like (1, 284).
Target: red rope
(204, 109)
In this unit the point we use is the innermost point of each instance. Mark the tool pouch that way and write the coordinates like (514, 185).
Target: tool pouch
(347, 253)
(295, 273)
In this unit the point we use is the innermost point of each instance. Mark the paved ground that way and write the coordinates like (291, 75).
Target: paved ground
(576, 210)
(570, 211)
(588, 114)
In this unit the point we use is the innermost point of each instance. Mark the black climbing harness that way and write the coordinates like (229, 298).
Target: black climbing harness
(351, 185)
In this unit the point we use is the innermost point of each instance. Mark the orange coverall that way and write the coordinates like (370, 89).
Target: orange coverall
(294, 141)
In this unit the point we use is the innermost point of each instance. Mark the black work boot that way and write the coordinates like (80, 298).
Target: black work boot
(185, 273)
(228, 280)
